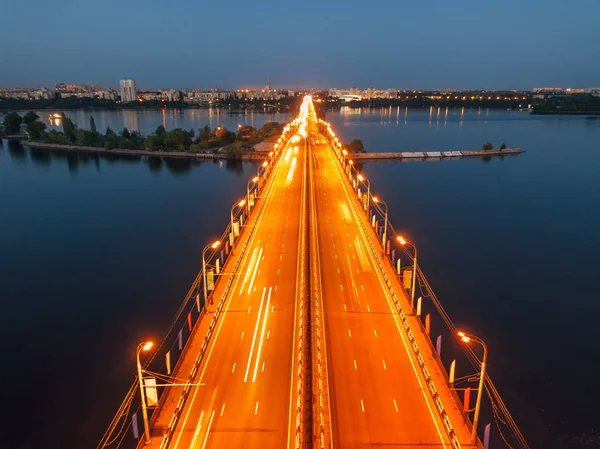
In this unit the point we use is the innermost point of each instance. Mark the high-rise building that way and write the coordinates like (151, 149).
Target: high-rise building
(128, 91)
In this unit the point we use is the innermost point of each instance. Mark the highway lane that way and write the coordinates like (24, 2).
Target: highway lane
(245, 397)
(376, 394)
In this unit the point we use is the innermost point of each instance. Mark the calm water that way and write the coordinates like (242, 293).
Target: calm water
(97, 253)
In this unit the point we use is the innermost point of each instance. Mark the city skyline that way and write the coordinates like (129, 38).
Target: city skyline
(419, 46)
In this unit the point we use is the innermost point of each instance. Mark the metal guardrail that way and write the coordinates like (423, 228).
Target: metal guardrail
(413, 344)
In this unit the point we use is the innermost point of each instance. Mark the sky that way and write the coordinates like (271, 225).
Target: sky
(327, 43)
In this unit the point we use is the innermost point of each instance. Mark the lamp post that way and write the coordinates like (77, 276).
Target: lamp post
(403, 242)
(239, 204)
(467, 338)
(213, 245)
(254, 181)
(361, 178)
(377, 200)
(265, 164)
(144, 346)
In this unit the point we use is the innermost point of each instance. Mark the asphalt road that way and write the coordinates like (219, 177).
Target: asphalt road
(377, 397)
(375, 392)
(245, 397)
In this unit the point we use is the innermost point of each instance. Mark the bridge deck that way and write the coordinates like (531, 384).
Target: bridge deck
(377, 389)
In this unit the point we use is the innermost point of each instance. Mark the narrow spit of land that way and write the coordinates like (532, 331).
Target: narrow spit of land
(259, 154)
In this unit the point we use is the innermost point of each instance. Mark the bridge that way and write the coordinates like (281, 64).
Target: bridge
(302, 328)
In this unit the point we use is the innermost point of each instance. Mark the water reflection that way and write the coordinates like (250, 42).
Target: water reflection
(40, 157)
(131, 120)
(154, 163)
(235, 166)
(16, 151)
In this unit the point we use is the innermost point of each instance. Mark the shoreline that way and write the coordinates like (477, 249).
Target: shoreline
(435, 155)
(259, 155)
(176, 154)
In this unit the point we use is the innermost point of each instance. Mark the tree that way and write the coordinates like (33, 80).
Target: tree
(30, 117)
(356, 146)
(68, 128)
(35, 129)
(160, 130)
(503, 146)
(488, 146)
(152, 142)
(109, 131)
(12, 123)
(125, 134)
(92, 124)
(204, 133)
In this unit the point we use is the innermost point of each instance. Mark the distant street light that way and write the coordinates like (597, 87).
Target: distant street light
(467, 338)
(239, 204)
(403, 242)
(377, 200)
(213, 245)
(253, 180)
(361, 178)
(144, 346)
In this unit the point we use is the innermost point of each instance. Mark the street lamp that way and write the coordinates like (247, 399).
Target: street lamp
(213, 245)
(240, 204)
(467, 338)
(253, 180)
(377, 200)
(144, 346)
(361, 178)
(403, 242)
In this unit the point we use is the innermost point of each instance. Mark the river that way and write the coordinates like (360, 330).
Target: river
(97, 252)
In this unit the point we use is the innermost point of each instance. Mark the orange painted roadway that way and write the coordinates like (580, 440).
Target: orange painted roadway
(378, 395)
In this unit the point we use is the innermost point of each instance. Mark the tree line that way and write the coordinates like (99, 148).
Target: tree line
(177, 139)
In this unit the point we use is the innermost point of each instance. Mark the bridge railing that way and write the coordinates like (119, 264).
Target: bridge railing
(171, 351)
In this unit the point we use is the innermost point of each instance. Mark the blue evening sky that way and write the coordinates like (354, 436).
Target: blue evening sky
(325, 43)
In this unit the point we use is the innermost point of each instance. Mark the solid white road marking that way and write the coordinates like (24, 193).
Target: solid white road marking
(208, 429)
(395, 405)
(375, 332)
(384, 366)
(242, 337)
(355, 364)
(262, 335)
(233, 369)
(255, 332)
(222, 409)
(256, 408)
(369, 309)
(349, 333)
(362, 405)
(255, 269)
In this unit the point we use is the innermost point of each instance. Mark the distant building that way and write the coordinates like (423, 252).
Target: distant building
(595, 91)
(128, 91)
(170, 95)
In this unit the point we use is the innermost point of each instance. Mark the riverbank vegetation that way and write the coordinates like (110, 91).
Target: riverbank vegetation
(568, 104)
(207, 140)
(356, 146)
